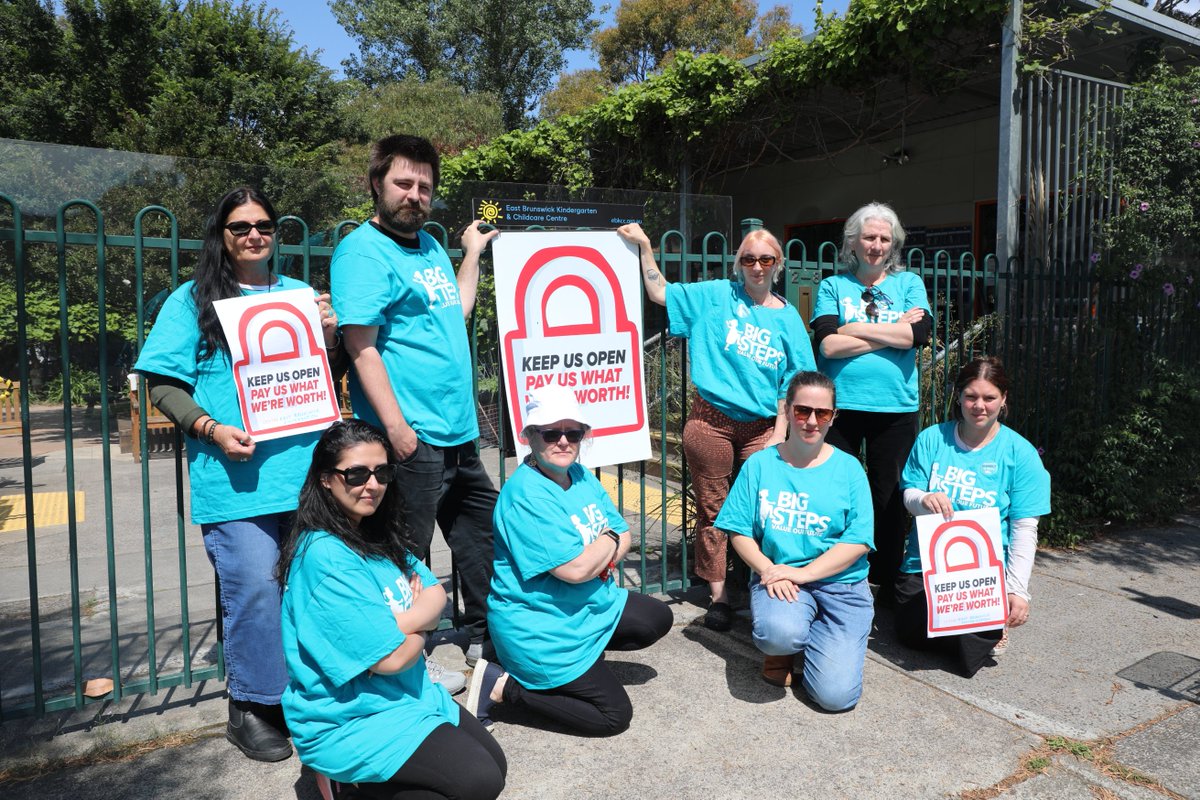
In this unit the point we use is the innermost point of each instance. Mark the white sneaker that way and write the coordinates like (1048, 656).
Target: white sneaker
(474, 653)
(1002, 645)
(453, 682)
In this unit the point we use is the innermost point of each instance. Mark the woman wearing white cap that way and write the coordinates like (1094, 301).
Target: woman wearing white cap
(554, 606)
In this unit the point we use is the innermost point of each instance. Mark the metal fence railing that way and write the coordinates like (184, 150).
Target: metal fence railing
(107, 579)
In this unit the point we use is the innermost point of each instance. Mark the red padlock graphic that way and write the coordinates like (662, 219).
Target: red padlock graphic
(598, 358)
(970, 594)
(289, 386)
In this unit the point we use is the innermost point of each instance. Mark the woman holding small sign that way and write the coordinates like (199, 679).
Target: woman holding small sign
(800, 515)
(745, 344)
(357, 609)
(554, 606)
(973, 462)
(242, 492)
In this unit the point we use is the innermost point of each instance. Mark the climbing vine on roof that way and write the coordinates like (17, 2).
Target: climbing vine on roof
(721, 115)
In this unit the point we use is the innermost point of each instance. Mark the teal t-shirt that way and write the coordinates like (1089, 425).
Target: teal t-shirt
(883, 380)
(742, 355)
(1006, 473)
(796, 514)
(348, 723)
(411, 295)
(223, 490)
(548, 632)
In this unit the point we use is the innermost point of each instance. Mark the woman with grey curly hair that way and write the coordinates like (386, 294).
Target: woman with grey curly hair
(867, 323)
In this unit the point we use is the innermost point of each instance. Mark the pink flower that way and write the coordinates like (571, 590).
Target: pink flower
(1136, 272)
(1143, 206)
(1041, 452)
(1190, 280)
(1095, 257)
(1168, 289)
(1195, 144)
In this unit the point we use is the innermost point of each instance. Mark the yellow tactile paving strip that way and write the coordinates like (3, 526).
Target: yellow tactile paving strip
(633, 500)
(49, 508)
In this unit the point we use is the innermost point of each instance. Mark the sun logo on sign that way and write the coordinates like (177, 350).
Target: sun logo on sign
(489, 211)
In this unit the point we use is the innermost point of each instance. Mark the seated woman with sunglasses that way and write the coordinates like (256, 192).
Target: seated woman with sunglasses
(800, 515)
(995, 467)
(356, 608)
(243, 492)
(867, 323)
(555, 606)
(745, 343)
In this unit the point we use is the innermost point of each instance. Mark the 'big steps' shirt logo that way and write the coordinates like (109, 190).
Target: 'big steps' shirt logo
(789, 514)
(960, 486)
(593, 523)
(752, 342)
(442, 292)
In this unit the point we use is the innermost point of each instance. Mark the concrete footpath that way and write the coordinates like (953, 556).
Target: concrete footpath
(1097, 697)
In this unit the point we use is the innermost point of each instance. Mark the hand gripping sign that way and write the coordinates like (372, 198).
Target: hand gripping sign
(563, 303)
(282, 375)
(964, 572)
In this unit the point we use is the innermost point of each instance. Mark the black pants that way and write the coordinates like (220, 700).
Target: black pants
(449, 486)
(971, 649)
(463, 763)
(596, 703)
(889, 438)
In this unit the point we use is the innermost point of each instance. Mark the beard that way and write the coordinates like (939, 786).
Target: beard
(403, 217)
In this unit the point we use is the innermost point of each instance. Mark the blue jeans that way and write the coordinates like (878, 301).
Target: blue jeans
(244, 553)
(449, 486)
(830, 623)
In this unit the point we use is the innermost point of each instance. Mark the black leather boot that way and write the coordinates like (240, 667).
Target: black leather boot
(253, 733)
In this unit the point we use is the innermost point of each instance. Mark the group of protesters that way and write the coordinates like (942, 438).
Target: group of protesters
(319, 539)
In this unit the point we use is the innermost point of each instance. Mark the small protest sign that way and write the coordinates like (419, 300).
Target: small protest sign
(282, 375)
(963, 567)
(569, 311)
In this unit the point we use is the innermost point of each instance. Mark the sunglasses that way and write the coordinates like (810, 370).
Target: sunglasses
(750, 261)
(802, 413)
(266, 227)
(358, 476)
(552, 435)
(870, 294)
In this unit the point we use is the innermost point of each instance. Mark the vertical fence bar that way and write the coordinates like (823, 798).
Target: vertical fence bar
(27, 451)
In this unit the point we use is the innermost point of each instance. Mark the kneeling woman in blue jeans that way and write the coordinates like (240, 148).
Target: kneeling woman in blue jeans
(800, 516)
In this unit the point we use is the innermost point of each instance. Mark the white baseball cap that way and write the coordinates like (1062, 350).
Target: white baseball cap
(552, 403)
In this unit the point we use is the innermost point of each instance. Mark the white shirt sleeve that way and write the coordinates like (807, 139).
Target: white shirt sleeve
(912, 501)
(1022, 547)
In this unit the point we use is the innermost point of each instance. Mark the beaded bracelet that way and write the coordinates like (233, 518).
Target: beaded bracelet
(211, 428)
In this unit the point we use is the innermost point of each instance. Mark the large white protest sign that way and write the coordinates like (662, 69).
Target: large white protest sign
(569, 308)
(962, 563)
(282, 375)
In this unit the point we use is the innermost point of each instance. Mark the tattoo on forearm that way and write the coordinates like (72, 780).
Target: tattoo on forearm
(653, 276)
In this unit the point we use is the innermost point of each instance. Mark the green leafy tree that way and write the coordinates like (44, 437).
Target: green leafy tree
(510, 49)
(574, 92)
(436, 109)
(648, 33)
(33, 84)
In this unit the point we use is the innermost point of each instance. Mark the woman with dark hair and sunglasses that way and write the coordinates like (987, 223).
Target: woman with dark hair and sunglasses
(357, 606)
(745, 342)
(867, 323)
(800, 515)
(973, 461)
(242, 492)
(554, 605)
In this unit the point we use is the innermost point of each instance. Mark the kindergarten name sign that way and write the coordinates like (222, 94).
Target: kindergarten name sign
(282, 375)
(569, 310)
(962, 563)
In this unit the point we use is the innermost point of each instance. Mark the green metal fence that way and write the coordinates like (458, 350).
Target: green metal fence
(1071, 341)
